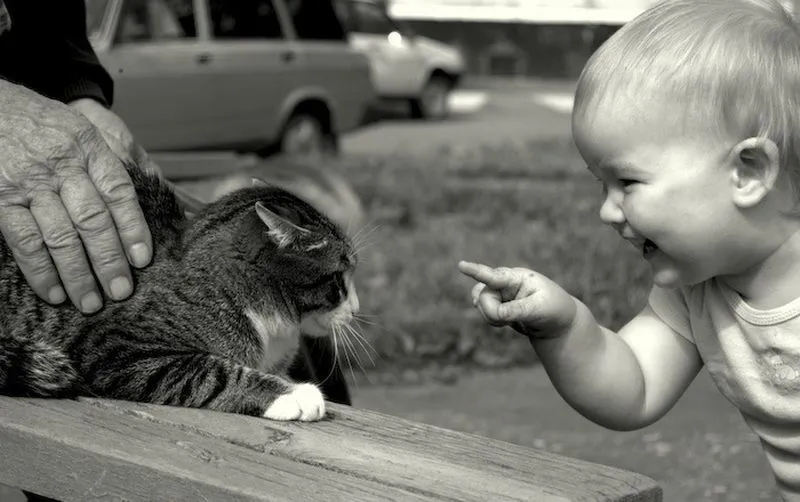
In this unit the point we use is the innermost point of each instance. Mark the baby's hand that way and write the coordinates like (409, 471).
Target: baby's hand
(527, 301)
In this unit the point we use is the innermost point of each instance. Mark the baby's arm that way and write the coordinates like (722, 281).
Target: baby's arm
(621, 381)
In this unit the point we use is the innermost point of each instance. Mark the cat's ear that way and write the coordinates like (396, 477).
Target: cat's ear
(282, 231)
(260, 182)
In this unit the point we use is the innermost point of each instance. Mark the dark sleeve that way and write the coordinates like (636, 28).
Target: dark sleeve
(83, 76)
(50, 51)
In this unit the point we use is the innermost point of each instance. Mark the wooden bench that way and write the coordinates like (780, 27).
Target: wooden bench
(94, 449)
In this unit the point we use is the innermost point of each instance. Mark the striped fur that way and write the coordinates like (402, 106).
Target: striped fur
(213, 322)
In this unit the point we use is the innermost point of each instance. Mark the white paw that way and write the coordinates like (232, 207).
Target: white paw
(304, 402)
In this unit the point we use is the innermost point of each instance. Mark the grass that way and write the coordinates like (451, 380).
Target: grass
(529, 205)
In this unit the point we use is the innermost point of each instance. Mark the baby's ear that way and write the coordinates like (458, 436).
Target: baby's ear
(756, 167)
(282, 231)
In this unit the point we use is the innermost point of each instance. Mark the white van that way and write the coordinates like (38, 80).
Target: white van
(405, 66)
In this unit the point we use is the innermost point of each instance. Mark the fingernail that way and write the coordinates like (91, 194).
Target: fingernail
(56, 295)
(91, 303)
(120, 288)
(140, 255)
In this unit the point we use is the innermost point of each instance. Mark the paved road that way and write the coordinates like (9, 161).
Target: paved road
(510, 114)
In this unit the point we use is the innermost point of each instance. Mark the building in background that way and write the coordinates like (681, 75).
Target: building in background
(524, 11)
(539, 38)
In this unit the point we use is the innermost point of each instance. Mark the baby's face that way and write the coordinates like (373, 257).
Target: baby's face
(665, 191)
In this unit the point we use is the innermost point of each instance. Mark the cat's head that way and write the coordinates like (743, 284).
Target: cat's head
(308, 257)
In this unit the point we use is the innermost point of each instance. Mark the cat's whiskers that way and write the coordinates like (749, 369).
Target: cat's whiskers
(334, 334)
(345, 346)
(361, 230)
(363, 318)
(360, 241)
(363, 342)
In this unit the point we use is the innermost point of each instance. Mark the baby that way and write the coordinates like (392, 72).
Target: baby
(690, 117)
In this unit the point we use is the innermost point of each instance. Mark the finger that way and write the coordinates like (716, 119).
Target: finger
(114, 186)
(476, 292)
(494, 278)
(92, 220)
(24, 238)
(505, 280)
(142, 160)
(522, 310)
(66, 250)
(489, 303)
(118, 147)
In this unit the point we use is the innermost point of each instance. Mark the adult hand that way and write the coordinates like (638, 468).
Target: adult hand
(115, 133)
(68, 209)
(120, 139)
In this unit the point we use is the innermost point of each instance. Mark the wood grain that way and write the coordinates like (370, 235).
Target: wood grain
(111, 450)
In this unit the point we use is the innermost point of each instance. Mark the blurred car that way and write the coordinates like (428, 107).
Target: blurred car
(405, 66)
(262, 76)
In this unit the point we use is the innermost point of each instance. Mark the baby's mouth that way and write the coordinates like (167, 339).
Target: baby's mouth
(649, 247)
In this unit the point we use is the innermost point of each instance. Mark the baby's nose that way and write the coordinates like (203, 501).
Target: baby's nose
(611, 209)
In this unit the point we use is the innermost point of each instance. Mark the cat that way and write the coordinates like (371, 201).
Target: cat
(214, 320)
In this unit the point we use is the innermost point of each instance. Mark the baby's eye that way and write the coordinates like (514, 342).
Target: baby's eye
(625, 182)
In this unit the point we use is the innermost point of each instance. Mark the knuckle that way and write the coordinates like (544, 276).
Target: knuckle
(117, 189)
(62, 238)
(27, 242)
(92, 219)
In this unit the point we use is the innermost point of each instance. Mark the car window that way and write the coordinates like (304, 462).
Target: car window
(367, 17)
(154, 20)
(245, 19)
(315, 20)
(343, 9)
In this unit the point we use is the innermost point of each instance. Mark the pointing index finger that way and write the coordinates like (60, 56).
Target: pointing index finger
(485, 274)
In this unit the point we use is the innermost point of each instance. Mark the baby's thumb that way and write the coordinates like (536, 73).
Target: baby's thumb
(510, 312)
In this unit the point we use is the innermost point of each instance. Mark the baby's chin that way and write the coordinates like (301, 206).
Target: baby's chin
(671, 279)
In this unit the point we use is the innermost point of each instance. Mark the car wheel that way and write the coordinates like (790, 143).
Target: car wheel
(304, 137)
(432, 103)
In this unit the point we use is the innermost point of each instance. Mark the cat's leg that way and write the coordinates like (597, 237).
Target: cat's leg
(303, 402)
(201, 380)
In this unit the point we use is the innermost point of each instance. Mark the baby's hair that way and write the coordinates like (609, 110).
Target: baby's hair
(730, 66)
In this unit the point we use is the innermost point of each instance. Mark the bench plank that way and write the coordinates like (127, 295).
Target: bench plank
(103, 449)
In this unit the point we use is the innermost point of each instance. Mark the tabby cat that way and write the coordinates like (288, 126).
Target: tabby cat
(214, 321)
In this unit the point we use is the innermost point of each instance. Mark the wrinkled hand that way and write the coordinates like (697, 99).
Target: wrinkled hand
(67, 205)
(115, 133)
(527, 301)
(120, 139)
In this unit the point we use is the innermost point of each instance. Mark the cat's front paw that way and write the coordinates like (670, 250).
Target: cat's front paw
(304, 402)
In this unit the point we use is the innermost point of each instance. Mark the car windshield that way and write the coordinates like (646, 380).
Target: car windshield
(95, 14)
